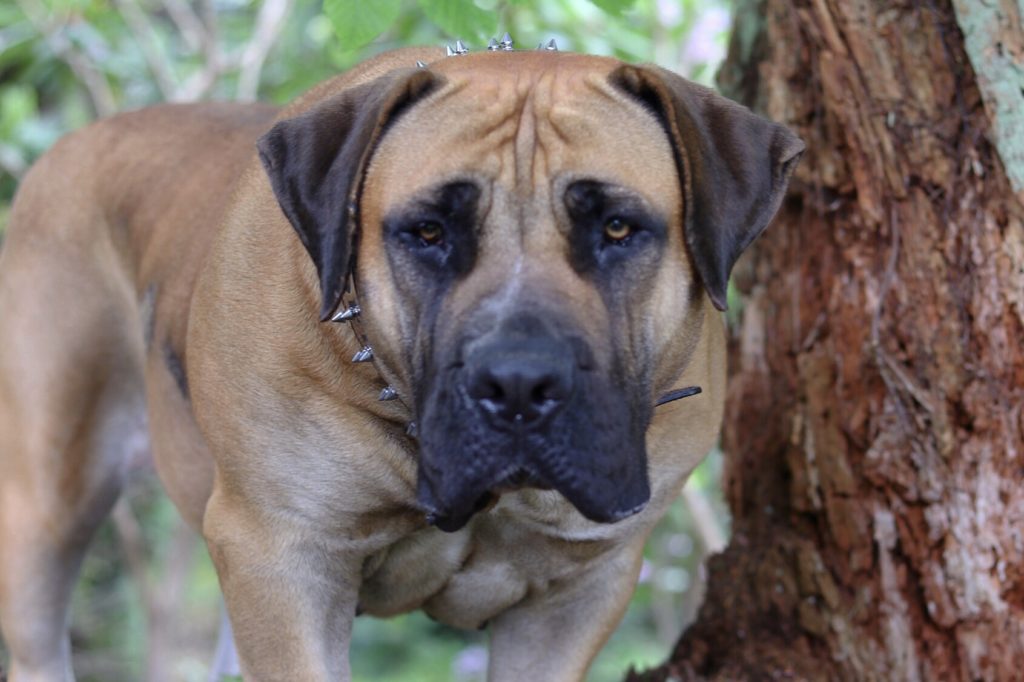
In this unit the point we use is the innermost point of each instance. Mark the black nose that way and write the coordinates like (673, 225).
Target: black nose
(523, 388)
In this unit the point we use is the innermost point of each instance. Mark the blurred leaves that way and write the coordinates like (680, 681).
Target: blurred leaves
(461, 18)
(614, 7)
(357, 22)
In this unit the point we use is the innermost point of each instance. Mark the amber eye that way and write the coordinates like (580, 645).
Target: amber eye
(430, 232)
(617, 230)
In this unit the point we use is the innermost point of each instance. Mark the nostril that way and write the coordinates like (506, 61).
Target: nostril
(487, 388)
(548, 390)
(493, 391)
(520, 389)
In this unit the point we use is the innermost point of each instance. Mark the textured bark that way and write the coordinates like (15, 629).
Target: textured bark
(875, 424)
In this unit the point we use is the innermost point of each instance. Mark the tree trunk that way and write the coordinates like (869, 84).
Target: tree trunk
(875, 423)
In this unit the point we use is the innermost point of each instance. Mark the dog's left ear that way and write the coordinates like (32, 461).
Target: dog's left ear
(315, 162)
(734, 167)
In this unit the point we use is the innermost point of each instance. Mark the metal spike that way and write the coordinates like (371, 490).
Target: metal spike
(506, 42)
(365, 354)
(492, 45)
(388, 393)
(460, 47)
(348, 313)
(552, 45)
(411, 429)
(420, 65)
(448, 51)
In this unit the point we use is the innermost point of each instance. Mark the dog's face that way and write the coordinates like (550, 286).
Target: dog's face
(522, 236)
(531, 264)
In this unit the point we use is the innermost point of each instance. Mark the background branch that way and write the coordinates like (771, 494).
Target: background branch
(149, 44)
(192, 30)
(712, 535)
(199, 84)
(268, 28)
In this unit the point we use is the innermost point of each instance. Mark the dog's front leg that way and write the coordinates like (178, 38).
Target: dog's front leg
(553, 636)
(290, 594)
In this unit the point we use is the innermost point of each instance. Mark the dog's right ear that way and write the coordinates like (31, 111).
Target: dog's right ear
(316, 162)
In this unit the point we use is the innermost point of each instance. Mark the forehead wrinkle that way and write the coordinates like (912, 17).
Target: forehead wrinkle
(571, 120)
(548, 90)
(529, 146)
(598, 124)
(539, 150)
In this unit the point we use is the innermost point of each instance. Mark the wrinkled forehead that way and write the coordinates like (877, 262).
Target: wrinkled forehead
(529, 121)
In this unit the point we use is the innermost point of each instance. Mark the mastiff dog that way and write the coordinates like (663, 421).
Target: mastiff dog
(412, 342)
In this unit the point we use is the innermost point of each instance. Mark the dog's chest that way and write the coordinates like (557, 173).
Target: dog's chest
(462, 578)
(465, 579)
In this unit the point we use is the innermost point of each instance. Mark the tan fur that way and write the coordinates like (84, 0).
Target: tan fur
(156, 233)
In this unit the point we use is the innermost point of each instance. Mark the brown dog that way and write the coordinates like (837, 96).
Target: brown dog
(539, 242)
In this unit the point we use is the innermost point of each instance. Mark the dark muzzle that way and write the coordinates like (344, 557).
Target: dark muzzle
(527, 407)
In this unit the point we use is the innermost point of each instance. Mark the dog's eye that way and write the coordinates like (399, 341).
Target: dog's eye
(429, 232)
(617, 231)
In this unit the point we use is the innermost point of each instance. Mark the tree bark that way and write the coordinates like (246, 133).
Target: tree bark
(875, 422)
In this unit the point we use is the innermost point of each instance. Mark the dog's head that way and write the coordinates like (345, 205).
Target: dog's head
(537, 236)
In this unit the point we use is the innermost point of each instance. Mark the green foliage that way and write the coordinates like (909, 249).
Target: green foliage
(461, 18)
(410, 647)
(614, 7)
(357, 22)
(17, 104)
